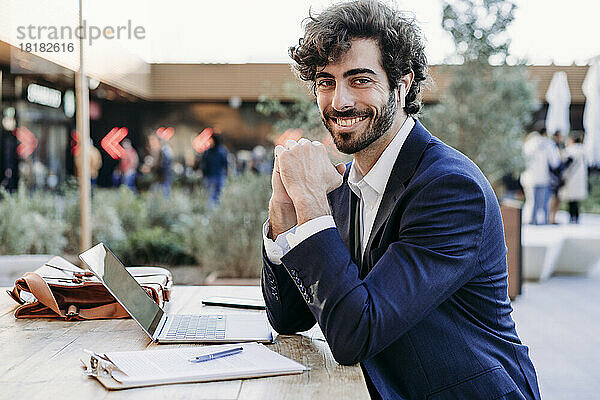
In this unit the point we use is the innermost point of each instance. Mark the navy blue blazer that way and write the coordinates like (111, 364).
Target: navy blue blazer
(427, 313)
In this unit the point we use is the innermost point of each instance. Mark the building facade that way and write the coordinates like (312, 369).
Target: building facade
(186, 98)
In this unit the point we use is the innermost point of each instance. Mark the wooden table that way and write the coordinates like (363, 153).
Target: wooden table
(40, 358)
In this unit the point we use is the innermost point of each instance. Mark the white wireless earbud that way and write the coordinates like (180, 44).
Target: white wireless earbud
(402, 95)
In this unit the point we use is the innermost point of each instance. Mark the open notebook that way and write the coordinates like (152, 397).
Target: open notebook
(128, 369)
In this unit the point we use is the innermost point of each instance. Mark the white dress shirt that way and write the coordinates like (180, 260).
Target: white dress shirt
(369, 189)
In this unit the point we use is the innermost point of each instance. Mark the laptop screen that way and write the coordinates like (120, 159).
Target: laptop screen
(123, 286)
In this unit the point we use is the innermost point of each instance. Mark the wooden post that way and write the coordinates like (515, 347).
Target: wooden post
(83, 128)
(511, 217)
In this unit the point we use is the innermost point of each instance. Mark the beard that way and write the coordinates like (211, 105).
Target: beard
(353, 142)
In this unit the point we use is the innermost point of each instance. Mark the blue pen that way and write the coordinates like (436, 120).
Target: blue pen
(220, 354)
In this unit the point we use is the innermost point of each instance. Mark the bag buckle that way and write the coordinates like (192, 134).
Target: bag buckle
(84, 274)
(72, 311)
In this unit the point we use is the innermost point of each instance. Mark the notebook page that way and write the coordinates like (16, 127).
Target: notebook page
(169, 364)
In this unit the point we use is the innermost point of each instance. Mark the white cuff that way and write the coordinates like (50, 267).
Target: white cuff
(277, 248)
(308, 229)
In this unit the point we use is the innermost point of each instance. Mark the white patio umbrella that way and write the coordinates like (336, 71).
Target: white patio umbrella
(591, 113)
(558, 97)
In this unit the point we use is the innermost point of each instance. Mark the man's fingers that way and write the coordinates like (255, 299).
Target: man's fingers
(341, 168)
(303, 140)
(290, 144)
(279, 149)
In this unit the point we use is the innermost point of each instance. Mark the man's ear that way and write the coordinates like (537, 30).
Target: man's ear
(402, 91)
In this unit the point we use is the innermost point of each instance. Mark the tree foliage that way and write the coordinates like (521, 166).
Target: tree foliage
(485, 108)
(302, 115)
(478, 28)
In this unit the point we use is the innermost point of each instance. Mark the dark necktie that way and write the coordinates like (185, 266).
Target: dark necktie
(357, 235)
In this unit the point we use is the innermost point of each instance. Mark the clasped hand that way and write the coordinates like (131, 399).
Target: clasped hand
(302, 177)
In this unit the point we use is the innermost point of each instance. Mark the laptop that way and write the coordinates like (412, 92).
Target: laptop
(170, 328)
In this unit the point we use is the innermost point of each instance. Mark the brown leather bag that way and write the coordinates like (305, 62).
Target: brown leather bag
(62, 290)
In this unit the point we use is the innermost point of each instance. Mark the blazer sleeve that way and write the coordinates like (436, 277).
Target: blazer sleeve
(287, 310)
(435, 254)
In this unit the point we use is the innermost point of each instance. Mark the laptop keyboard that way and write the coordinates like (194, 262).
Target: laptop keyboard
(197, 327)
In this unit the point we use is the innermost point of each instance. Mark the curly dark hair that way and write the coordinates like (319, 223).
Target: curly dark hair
(328, 36)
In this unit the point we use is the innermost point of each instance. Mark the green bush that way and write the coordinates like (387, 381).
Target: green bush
(131, 208)
(229, 238)
(166, 212)
(31, 223)
(155, 245)
(147, 228)
(107, 225)
(592, 203)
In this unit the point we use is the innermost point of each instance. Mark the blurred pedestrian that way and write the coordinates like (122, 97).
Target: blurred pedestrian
(214, 169)
(540, 154)
(9, 161)
(260, 164)
(575, 188)
(556, 176)
(95, 162)
(243, 161)
(128, 165)
(162, 159)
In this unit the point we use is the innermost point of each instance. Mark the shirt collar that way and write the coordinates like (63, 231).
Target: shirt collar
(377, 177)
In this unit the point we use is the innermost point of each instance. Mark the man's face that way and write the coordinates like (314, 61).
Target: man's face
(354, 97)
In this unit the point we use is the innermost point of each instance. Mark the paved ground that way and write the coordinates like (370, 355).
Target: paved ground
(559, 319)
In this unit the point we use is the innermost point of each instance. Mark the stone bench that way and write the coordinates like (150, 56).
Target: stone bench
(559, 249)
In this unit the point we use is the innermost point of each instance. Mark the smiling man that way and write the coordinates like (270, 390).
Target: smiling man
(399, 257)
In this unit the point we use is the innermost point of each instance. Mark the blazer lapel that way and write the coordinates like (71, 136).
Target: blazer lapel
(339, 200)
(403, 169)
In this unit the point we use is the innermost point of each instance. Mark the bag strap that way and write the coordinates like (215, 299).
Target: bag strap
(112, 310)
(40, 289)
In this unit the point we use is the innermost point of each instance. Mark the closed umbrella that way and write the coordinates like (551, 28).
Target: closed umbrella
(558, 97)
(591, 113)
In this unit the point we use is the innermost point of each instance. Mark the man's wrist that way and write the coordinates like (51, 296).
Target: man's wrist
(310, 207)
(282, 217)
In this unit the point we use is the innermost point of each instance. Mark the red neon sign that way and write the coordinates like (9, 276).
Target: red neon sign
(75, 143)
(110, 142)
(201, 143)
(165, 133)
(28, 142)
